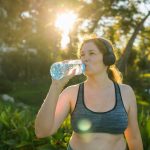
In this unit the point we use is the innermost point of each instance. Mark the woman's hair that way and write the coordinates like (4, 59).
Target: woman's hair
(109, 59)
(114, 74)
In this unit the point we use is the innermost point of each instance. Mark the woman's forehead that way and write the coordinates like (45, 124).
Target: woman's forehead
(89, 46)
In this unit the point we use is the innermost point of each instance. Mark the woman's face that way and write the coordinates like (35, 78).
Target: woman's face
(92, 58)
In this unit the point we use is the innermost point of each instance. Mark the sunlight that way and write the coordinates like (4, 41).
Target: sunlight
(64, 40)
(65, 22)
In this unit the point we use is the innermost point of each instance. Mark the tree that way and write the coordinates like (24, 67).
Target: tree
(122, 63)
(30, 25)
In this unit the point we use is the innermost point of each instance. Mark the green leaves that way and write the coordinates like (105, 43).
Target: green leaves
(17, 130)
(16, 126)
(144, 123)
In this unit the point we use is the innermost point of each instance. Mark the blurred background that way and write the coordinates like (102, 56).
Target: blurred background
(36, 33)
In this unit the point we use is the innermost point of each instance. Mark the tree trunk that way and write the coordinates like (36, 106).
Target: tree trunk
(122, 63)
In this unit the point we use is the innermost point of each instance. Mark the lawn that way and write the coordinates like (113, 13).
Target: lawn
(31, 92)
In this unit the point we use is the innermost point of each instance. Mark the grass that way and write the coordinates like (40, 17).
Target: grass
(31, 92)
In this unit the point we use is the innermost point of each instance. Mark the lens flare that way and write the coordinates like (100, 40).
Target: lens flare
(84, 125)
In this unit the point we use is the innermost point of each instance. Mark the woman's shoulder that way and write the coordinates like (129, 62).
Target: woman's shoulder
(72, 92)
(125, 87)
(128, 95)
(72, 88)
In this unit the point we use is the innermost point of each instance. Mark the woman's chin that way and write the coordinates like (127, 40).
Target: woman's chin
(88, 73)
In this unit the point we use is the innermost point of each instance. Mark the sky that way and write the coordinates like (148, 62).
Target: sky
(144, 9)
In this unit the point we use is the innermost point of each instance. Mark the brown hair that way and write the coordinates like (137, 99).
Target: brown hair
(103, 44)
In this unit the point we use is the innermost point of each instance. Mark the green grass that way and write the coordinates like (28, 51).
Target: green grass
(30, 92)
(33, 92)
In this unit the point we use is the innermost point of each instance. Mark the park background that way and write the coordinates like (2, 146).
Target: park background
(36, 33)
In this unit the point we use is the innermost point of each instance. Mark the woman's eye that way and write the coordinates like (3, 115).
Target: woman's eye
(91, 53)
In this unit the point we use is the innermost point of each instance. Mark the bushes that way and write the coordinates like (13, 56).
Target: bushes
(5, 86)
(17, 130)
(144, 124)
(16, 127)
(61, 139)
(140, 83)
(17, 123)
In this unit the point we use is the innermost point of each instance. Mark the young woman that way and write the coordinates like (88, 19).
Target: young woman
(103, 110)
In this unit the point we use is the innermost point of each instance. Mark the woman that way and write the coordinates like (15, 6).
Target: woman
(103, 111)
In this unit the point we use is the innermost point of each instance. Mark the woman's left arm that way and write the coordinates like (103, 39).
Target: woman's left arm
(132, 133)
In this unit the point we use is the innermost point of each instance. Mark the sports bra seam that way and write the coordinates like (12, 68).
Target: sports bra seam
(122, 100)
(77, 100)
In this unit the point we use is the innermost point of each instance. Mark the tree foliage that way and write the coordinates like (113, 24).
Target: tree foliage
(30, 42)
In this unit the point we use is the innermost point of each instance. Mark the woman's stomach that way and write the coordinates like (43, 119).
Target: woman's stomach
(97, 141)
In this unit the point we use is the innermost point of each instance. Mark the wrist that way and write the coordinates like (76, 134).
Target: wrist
(57, 86)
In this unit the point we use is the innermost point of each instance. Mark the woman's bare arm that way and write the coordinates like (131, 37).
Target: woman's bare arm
(54, 109)
(132, 132)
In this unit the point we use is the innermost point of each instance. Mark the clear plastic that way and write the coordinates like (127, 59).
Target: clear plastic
(60, 69)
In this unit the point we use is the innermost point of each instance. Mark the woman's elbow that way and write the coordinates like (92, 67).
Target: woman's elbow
(42, 133)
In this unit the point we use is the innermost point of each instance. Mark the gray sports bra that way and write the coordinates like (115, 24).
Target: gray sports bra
(84, 120)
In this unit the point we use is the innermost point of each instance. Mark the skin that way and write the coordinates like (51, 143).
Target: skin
(99, 96)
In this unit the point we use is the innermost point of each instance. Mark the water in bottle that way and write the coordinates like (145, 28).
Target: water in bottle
(60, 69)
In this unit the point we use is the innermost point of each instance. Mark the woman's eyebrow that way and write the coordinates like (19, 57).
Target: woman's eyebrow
(91, 50)
(88, 51)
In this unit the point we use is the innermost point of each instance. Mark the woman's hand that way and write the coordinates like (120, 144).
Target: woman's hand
(62, 82)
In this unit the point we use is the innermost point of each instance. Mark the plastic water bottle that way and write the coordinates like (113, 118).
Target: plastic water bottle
(60, 69)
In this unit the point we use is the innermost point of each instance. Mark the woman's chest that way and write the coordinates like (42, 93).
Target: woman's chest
(99, 101)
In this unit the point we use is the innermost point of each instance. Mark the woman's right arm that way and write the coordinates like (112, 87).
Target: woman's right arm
(54, 110)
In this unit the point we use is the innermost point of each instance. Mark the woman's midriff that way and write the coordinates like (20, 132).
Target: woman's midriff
(97, 141)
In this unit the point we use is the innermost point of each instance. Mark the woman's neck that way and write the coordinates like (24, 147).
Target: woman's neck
(100, 81)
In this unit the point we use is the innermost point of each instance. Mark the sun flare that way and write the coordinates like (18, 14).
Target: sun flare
(64, 22)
